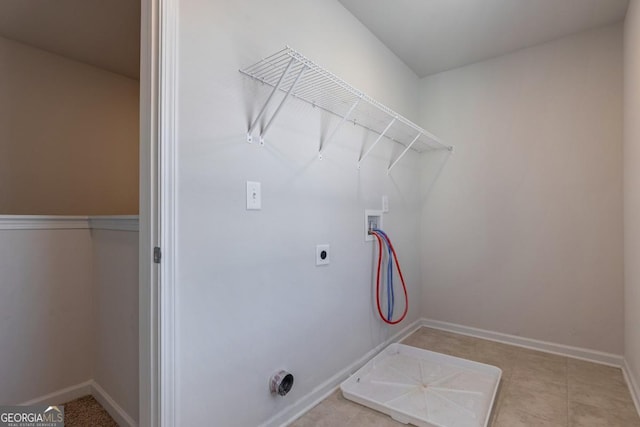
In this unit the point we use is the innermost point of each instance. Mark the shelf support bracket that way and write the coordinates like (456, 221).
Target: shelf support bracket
(338, 126)
(264, 107)
(404, 152)
(376, 141)
(293, 86)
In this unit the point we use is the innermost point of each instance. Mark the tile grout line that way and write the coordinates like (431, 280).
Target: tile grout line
(499, 403)
(566, 381)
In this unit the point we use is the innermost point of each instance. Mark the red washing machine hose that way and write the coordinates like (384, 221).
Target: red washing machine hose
(404, 287)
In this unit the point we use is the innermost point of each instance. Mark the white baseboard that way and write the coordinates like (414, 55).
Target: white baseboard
(633, 384)
(303, 405)
(117, 413)
(63, 395)
(548, 347)
(43, 222)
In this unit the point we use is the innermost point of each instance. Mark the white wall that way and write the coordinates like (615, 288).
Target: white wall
(69, 310)
(250, 299)
(115, 315)
(522, 233)
(45, 312)
(68, 136)
(632, 187)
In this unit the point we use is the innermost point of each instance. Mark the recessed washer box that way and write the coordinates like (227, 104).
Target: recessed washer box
(425, 388)
(372, 219)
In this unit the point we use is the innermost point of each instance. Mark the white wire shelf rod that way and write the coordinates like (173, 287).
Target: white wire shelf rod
(329, 90)
(328, 74)
(275, 114)
(355, 122)
(268, 60)
(404, 152)
(315, 95)
(308, 88)
(264, 107)
(425, 133)
(376, 141)
(318, 94)
(321, 84)
(314, 98)
(337, 127)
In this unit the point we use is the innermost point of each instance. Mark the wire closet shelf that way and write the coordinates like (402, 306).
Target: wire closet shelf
(296, 76)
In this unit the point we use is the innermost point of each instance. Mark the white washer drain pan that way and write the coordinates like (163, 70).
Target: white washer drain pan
(424, 388)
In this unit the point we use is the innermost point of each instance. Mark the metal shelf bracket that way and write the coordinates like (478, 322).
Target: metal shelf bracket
(403, 153)
(337, 127)
(376, 141)
(264, 107)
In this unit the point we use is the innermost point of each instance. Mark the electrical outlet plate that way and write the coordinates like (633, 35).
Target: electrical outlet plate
(323, 254)
(372, 219)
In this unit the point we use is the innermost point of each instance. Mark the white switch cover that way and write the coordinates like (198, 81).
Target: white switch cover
(385, 204)
(322, 255)
(254, 196)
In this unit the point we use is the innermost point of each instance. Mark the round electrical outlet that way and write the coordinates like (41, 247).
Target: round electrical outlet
(322, 254)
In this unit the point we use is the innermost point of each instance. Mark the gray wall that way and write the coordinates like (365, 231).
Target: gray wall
(522, 231)
(250, 298)
(632, 188)
(45, 306)
(115, 315)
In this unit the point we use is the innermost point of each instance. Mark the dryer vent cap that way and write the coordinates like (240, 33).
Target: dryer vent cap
(281, 383)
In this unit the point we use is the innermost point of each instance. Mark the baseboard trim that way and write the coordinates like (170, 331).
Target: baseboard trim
(117, 413)
(304, 404)
(86, 388)
(43, 222)
(548, 347)
(633, 384)
(61, 396)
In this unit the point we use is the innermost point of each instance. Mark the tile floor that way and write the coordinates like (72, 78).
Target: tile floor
(537, 389)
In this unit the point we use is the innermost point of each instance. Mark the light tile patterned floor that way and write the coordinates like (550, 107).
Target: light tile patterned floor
(537, 389)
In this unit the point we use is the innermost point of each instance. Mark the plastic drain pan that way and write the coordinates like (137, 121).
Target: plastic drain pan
(424, 388)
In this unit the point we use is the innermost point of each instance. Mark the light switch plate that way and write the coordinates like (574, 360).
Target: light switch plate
(385, 204)
(254, 195)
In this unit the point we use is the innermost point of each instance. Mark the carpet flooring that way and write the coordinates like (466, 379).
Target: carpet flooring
(86, 412)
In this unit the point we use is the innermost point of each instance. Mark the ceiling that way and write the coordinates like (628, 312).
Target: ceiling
(428, 35)
(103, 33)
(437, 35)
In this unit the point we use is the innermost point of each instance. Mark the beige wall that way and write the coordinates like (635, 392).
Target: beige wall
(522, 229)
(632, 187)
(68, 136)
